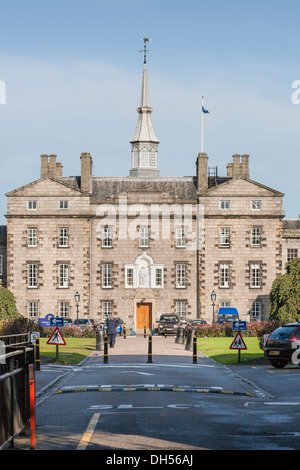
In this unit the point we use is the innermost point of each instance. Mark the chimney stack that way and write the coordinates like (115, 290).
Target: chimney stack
(202, 164)
(245, 165)
(50, 167)
(239, 167)
(44, 166)
(86, 172)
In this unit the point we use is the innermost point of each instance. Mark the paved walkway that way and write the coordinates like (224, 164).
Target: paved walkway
(136, 349)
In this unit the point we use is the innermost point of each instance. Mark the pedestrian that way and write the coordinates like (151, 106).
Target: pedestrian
(111, 331)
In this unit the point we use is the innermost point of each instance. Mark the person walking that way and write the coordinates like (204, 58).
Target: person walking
(111, 331)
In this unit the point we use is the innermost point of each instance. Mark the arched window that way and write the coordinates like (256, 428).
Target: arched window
(144, 157)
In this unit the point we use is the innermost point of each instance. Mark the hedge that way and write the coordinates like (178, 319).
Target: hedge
(254, 329)
(20, 325)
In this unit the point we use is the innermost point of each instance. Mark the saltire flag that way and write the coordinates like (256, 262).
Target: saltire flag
(204, 110)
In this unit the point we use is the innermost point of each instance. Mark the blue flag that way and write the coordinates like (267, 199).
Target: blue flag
(205, 110)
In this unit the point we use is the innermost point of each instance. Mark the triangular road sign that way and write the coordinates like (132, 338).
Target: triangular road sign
(56, 338)
(238, 342)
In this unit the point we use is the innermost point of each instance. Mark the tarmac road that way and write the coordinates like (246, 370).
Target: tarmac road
(169, 404)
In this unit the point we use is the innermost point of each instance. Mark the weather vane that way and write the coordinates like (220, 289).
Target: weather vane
(145, 50)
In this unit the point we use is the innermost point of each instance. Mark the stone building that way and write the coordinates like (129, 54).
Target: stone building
(290, 240)
(144, 244)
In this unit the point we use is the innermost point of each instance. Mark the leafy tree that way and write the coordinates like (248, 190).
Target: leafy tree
(8, 308)
(285, 294)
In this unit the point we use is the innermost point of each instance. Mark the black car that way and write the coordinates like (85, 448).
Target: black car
(281, 345)
(168, 323)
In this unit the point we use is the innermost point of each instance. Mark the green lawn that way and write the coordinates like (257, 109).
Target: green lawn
(218, 349)
(77, 349)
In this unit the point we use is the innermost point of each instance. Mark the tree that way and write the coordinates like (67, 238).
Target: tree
(8, 308)
(285, 294)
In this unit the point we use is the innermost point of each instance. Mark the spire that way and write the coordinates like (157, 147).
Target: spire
(144, 141)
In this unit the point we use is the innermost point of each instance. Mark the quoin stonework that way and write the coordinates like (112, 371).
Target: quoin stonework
(141, 245)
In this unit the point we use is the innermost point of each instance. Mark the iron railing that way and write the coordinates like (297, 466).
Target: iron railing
(16, 375)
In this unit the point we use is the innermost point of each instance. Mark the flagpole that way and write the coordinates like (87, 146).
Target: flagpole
(202, 124)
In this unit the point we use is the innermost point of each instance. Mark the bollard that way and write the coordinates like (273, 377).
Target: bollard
(37, 354)
(145, 334)
(165, 331)
(105, 356)
(150, 350)
(189, 340)
(180, 336)
(195, 350)
(124, 332)
(99, 340)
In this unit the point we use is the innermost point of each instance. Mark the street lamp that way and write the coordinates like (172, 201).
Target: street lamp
(77, 299)
(213, 297)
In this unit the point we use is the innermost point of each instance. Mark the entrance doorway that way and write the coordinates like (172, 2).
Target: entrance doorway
(143, 316)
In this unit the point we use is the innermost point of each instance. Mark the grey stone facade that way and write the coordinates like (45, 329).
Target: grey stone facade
(238, 253)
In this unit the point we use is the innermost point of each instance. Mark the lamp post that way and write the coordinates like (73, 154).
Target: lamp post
(77, 300)
(213, 297)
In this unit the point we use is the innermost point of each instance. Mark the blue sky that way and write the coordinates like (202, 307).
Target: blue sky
(73, 70)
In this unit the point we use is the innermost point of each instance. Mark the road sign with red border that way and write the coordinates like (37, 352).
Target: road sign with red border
(56, 338)
(238, 342)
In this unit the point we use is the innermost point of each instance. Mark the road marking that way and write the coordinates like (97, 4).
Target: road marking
(89, 432)
(135, 372)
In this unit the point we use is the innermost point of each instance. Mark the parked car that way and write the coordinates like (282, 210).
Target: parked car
(279, 344)
(68, 322)
(227, 315)
(193, 324)
(83, 323)
(167, 323)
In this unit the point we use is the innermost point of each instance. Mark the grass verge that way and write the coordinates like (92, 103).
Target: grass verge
(75, 350)
(219, 350)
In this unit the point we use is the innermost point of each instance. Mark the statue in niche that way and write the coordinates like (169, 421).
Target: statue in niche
(143, 277)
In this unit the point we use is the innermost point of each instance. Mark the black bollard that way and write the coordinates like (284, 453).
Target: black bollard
(189, 340)
(150, 350)
(37, 354)
(195, 350)
(180, 336)
(105, 356)
(99, 340)
(165, 331)
(145, 333)
(124, 332)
